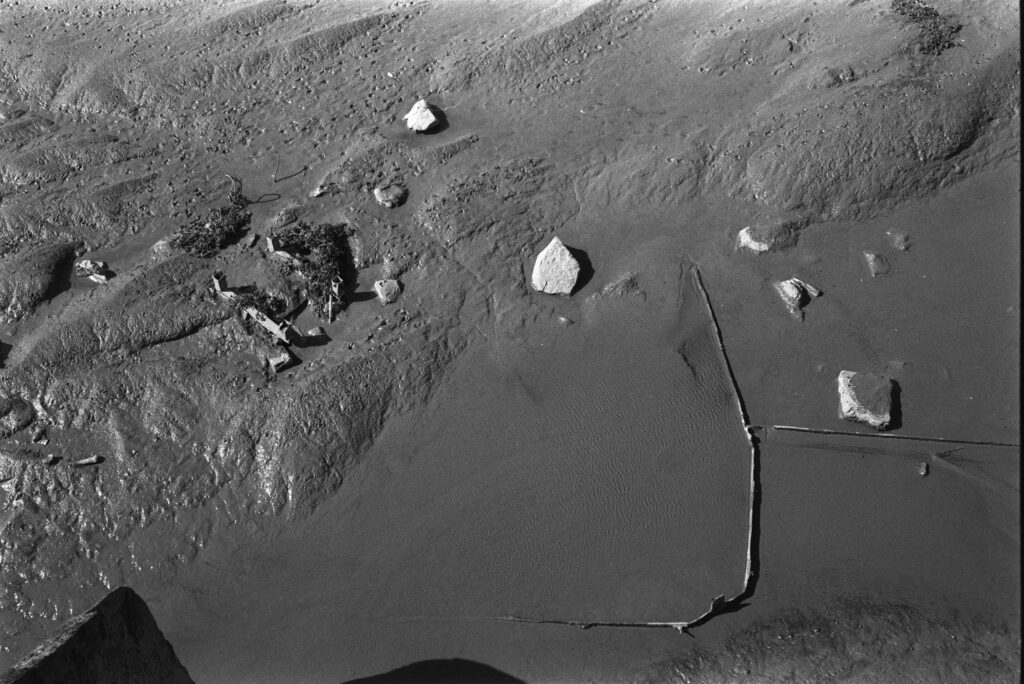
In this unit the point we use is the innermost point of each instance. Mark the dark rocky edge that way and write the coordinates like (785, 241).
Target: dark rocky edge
(117, 640)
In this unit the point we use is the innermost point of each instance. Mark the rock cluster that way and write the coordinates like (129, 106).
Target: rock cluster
(556, 270)
(94, 270)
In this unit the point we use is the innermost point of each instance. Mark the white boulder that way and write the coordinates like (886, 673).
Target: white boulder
(421, 117)
(556, 270)
(390, 196)
(387, 290)
(89, 267)
(767, 237)
(796, 294)
(865, 398)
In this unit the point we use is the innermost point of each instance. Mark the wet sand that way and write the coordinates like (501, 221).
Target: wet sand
(519, 491)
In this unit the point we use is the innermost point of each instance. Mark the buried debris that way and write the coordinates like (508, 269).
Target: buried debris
(767, 237)
(15, 414)
(422, 118)
(866, 398)
(284, 331)
(387, 290)
(878, 265)
(556, 269)
(390, 196)
(898, 240)
(282, 360)
(796, 294)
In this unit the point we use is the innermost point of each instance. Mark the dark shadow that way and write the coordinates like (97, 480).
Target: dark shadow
(61, 281)
(291, 175)
(586, 268)
(895, 410)
(5, 350)
(361, 296)
(265, 198)
(454, 671)
(312, 341)
(442, 121)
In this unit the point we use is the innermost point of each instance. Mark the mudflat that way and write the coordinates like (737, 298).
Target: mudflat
(475, 469)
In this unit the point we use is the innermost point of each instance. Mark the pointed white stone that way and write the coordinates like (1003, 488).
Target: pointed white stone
(556, 270)
(421, 117)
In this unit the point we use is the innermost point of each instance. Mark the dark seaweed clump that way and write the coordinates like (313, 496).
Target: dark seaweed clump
(204, 237)
(324, 252)
(937, 31)
(269, 305)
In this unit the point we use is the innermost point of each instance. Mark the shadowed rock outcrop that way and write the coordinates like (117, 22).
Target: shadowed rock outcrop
(117, 640)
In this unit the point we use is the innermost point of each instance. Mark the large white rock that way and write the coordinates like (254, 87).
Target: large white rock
(556, 270)
(391, 195)
(387, 290)
(421, 117)
(865, 398)
(767, 237)
(796, 294)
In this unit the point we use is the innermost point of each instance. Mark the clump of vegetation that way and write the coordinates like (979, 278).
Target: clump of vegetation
(269, 305)
(204, 237)
(937, 30)
(324, 252)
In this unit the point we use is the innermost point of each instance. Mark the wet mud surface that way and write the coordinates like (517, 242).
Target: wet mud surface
(477, 450)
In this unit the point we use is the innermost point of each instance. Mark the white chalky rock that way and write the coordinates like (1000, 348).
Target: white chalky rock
(387, 290)
(747, 241)
(556, 270)
(767, 237)
(390, 196)
(865, 398)
(421, 117)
